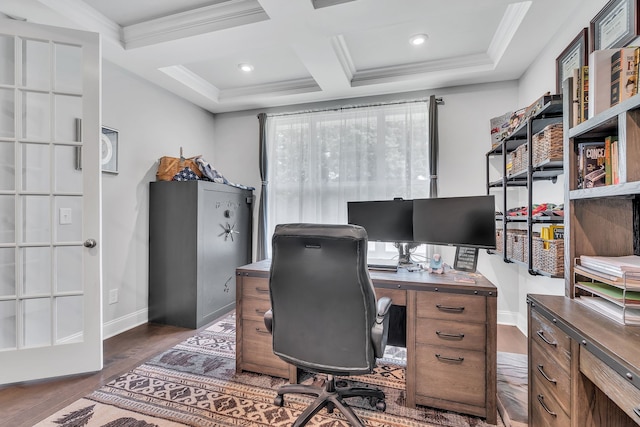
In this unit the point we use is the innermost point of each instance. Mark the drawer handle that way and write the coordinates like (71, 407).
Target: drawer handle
(544, 374)
(447, 335)
(636, 410)
(262, 290)
(450, 359)
(550, 412)
(447, 308)
(262, 331)
(543, 338)
(260, 312)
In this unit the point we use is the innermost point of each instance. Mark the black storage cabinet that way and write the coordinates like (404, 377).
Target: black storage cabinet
(199, 232)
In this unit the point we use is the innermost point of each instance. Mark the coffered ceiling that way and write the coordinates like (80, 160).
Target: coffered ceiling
(307, 50)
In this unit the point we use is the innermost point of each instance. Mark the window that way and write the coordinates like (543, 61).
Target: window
(318, 161)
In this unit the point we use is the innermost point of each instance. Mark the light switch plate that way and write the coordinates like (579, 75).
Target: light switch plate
(65, 216)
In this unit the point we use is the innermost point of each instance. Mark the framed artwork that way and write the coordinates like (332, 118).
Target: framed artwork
(616, 25)
(109, 150)
(466, 259)
(572, 57)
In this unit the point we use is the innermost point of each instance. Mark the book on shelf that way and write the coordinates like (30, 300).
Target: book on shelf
(591, 164)
(616, 68)
(576, 116)
(608, 159)
(628, 72)
(584, 93)
(615, 162)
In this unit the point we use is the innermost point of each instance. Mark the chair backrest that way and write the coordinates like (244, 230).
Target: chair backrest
(322, 298)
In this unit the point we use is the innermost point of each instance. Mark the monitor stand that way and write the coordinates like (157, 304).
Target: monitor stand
(404, 253)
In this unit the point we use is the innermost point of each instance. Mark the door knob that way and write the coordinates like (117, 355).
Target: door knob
(90, 243)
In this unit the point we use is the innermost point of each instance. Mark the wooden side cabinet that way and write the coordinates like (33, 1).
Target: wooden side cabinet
(254, 350)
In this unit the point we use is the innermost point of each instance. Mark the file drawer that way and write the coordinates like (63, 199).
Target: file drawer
(556, 378)
(556, 343)
(470, 308)
(255, 287)
(450, 333)
(257, 347)
(545, 409)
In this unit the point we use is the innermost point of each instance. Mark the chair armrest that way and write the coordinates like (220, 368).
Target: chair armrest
(380, 329)
(268, 320)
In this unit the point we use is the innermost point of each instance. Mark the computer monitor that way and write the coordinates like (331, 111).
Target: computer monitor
(384, 220)
(456, 221)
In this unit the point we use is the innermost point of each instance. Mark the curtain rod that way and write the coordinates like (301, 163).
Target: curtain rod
(349, 107)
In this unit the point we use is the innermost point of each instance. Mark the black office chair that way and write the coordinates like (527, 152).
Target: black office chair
(324, 316)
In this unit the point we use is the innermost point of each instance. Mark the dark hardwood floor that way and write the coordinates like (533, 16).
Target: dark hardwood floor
(25, 404)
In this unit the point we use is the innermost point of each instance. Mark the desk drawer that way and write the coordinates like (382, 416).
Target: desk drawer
(257, 348)
(254, 308)
(451, 333)
(454, 375)
(556, 378)
(468, 308)
(545, 409)
(398, 296)
(256, 287)
(555, 344)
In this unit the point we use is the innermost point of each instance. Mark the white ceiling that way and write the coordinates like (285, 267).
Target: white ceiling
(308, 50)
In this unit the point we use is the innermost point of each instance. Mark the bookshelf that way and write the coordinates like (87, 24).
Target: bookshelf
(550, 112)
(601, 221)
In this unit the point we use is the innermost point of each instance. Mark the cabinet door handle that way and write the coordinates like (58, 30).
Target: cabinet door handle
(262, 290)
(543, 338)
(636, 411)
(541, 400)
(449, 359)
(448, 308)
(447, 335)
(544, 374)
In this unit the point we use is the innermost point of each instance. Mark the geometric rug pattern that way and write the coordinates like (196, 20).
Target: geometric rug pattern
(195, 384)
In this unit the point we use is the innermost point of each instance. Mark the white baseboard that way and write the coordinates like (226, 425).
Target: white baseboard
(124, 323)
(513, 319)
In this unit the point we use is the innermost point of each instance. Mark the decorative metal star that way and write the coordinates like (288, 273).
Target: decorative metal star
(228, 231)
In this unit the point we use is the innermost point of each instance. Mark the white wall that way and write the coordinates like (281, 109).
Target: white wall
(152, 123)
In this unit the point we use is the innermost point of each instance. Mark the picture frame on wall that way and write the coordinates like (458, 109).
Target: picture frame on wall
(616, 25)
(573, 56)
(109, 150)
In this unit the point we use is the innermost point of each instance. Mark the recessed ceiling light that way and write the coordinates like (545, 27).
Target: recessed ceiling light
(418, 39)
(247, 68)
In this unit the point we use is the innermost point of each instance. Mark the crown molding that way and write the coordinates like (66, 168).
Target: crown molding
(88, 17)
(216, 17)
(193, 81)
(480, 61)
(317, 4)
(511, 21)
(344, 56)
(290, 87)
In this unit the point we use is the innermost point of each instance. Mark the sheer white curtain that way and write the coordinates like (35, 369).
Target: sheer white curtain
(318, 161)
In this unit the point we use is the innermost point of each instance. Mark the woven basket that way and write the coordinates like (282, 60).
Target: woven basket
(517, 247)
(548, 256)
(547, 144)
(499, 242)
(519, 159)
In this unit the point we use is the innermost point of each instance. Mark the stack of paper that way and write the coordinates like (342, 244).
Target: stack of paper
(621, 267)
(621, 315)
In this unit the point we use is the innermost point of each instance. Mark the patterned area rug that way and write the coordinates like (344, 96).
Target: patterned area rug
(195, 384)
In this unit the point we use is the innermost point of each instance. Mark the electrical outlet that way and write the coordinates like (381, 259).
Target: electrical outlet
(113, 296)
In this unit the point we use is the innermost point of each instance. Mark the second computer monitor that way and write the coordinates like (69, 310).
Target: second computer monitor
(457, 221)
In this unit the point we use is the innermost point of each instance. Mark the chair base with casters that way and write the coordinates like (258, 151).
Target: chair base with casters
(331, 396)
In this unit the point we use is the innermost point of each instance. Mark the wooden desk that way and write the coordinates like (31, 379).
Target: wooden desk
(584, 369)
(451, 336)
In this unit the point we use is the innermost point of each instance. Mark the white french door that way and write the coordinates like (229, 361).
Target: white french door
(50, 255)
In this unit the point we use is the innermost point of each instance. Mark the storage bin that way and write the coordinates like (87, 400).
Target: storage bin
(547, 144)
(548, 255)
(519, 159)
(517, 247)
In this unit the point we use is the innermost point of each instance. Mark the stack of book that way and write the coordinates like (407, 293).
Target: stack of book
(598, 163)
